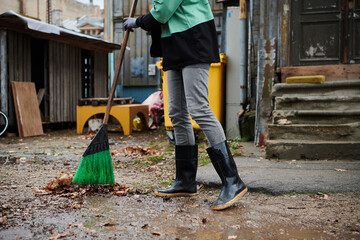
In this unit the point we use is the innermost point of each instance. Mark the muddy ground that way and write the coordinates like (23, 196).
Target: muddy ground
(143, 162)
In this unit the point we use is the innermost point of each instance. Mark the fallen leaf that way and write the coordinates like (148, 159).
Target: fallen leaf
(58, 236)
(232, 237)
(193, 205)
(94, 209)
(204, 220)
(90, 231)
(145, 225)
(339, 170)
(40, 192)
(3, 220)
(79, 225)
(111, 223)
(156, 233)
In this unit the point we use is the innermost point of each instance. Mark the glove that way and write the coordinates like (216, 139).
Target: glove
(130, 23)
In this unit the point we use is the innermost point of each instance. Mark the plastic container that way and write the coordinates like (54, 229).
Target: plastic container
(216, 92)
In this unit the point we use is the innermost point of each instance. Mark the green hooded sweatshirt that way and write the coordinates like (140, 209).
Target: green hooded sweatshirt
(180, 15)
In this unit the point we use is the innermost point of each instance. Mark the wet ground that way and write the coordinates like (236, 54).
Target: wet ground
(28, 212)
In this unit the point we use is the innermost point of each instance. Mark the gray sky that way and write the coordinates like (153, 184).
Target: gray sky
(96, 2)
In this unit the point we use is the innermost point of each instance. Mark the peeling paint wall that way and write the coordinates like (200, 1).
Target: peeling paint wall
(267, 59)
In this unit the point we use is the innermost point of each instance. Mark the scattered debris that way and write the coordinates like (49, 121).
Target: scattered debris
(62, 186)
(78, 225)
(3, 220)
(90, 231)
(90, 136)
(59, 236)
(283, 122)
(339, 170)
(108, 224)
(135, 152)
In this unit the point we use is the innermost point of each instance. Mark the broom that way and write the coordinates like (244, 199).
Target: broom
(96, 166)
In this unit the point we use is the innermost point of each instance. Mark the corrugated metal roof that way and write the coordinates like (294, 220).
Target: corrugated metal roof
(71, 25)
(96, 22)
(14, 21)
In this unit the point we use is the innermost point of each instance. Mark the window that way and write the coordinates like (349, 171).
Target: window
(87, 74)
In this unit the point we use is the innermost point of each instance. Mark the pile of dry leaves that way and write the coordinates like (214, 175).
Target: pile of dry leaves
(135, 152)
(62, 186)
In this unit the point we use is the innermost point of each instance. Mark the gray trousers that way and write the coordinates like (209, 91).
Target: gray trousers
(188, 94)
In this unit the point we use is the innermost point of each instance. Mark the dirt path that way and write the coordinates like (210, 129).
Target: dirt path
(27, 165)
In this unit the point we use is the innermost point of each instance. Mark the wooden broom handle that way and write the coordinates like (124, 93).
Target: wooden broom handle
(118, 66)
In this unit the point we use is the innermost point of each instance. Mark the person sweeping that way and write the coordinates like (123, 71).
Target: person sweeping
(184, 35)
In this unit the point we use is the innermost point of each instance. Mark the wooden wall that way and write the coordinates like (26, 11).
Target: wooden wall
(63, 78)
(64, 81)
(19, 57)
(19, 66)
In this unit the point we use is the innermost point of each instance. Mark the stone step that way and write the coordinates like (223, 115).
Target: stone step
(315, 132)
(297, 102)
(313, 150)
(336, 88)
(316, 116)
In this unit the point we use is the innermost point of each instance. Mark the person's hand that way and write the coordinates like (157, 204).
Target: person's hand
(129, 23)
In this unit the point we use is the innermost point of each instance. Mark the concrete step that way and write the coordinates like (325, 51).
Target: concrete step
(313, 150)
(305, 102)
(315, 132)
(336, 88)
(316, 116)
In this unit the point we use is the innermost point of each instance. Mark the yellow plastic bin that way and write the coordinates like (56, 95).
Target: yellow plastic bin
(216, 92)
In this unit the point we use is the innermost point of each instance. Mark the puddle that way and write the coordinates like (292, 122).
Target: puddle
(16, 233)
(148, 216)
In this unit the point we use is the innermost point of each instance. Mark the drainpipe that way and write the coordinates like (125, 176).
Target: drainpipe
(249, 73)
(108, 9)
(243, 52)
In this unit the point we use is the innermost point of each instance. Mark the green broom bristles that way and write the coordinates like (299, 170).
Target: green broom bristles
(96, 166)
(95, 169)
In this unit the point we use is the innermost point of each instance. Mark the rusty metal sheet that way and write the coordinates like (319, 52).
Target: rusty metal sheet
(265, 81)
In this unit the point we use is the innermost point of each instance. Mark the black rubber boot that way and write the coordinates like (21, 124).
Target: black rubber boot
(233, 187)
(186, 158)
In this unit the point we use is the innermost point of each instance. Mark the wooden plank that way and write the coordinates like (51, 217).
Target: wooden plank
(66, 83)
(46, 80)
(15, 58)
(331, 72)
(27, 59)
(51, 81)
(58, 83)
(27, 109)
(72, 83)
(77, 76)
(11, 55)
(20, 57)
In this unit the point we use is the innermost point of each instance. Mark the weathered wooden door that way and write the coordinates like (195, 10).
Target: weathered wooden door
(325, 32)
(354, 31)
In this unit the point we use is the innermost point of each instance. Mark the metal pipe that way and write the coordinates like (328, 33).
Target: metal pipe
(243, 52)
(249, 45)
